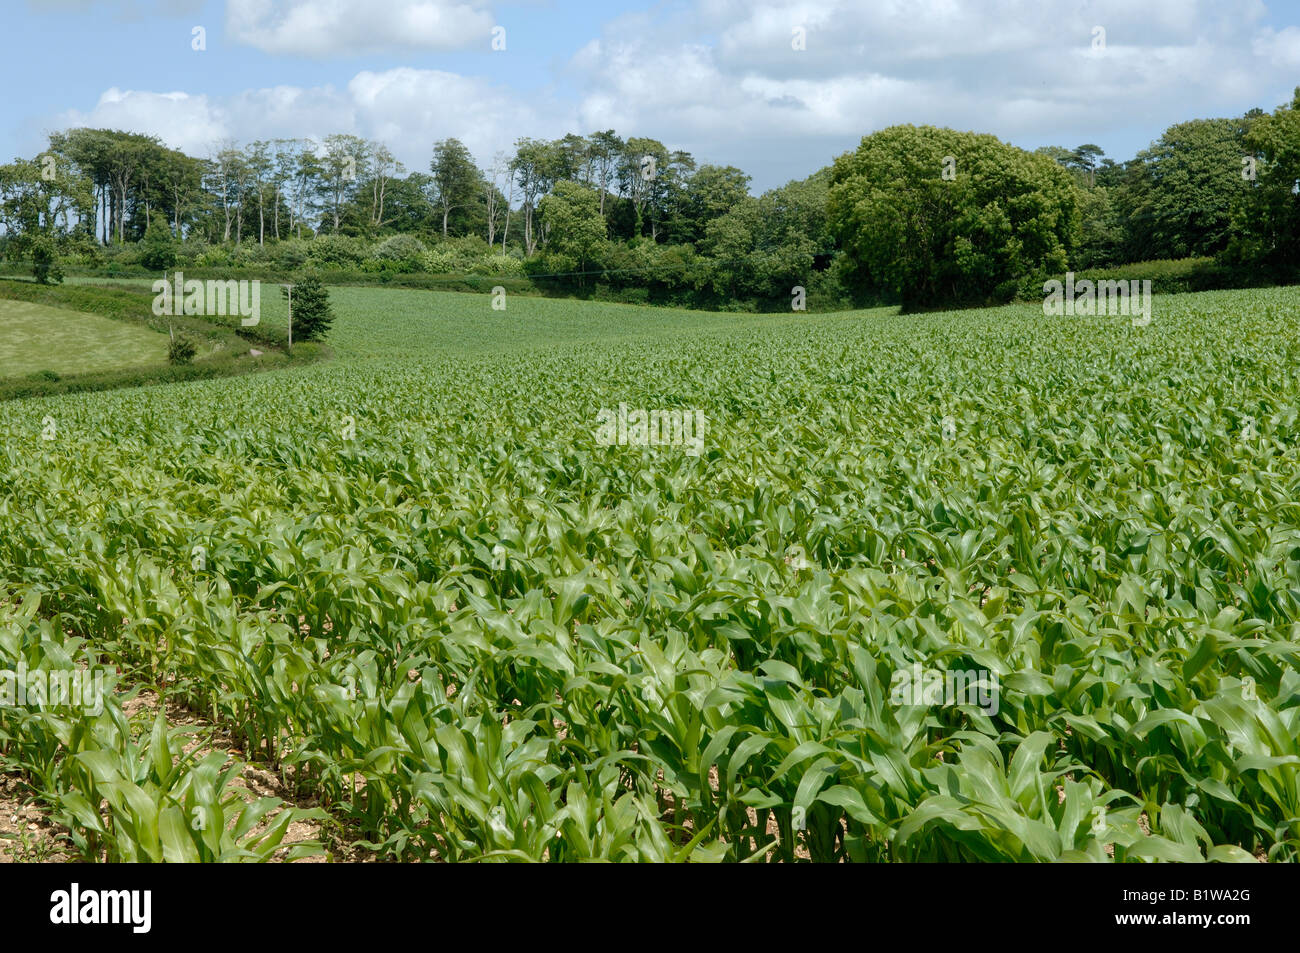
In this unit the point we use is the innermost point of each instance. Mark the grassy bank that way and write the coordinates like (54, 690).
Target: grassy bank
(130, 354)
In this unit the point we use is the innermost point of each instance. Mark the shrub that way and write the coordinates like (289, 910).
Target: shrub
(45, 261)
(123, 254)
(249, 253)
(1168, 276)
(507, 266)
(336, 250)
(181, 350)
(291, 253)
(439, 261)
(311, 312)
(547, 263)
(215, 256)
(471, 247)
(190, 251)
(158, 248)
(82, 250)
(467, 255)
(405, 251)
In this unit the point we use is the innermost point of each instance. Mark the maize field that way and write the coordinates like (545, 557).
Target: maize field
(414, 585)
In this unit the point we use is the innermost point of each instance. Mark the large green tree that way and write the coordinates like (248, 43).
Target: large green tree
(710, 193)
(1268, 224)
(1186, 190)
(938, 216)
(765, 247)
(574, 228)
(533, 169)
(455, 180)
(603, 152)
(344, 165)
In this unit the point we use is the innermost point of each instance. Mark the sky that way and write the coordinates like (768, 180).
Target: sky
(723, 79)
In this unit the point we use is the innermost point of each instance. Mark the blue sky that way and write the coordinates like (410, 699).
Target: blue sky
(720, 78)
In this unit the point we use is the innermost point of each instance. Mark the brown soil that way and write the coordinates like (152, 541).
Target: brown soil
(26, 832)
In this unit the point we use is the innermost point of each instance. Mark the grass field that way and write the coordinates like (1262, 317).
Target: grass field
(416, 586)
(84, 329)
(35, 338)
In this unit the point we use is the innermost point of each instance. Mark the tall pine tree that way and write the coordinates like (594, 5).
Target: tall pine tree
(312, 315)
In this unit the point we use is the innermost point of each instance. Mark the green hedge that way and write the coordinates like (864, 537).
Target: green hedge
(1172, 276)
(331, 276)
(43, 384)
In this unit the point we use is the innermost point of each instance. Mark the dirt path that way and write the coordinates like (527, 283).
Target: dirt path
(28, 835)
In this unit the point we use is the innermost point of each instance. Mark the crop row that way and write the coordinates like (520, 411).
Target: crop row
(424, 591)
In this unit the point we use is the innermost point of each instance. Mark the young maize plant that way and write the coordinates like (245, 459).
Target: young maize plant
(122, 793)
(984, 585)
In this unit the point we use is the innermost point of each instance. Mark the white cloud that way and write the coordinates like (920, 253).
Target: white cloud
(1281, 48)
(346, 27)
(183, 121)
(1021, 69)
(720, 79)
(410, 109)
(406, 109)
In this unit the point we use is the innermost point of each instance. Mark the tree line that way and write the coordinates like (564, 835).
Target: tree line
(915, 213)
(111, 185)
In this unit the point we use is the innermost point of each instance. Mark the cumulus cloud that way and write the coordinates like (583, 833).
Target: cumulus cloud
(183, 121)
(1281, 48)
(406, 109)
(1021, 69)
(127, 10)
(722, 79)
(323, 28)
(412, 108)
